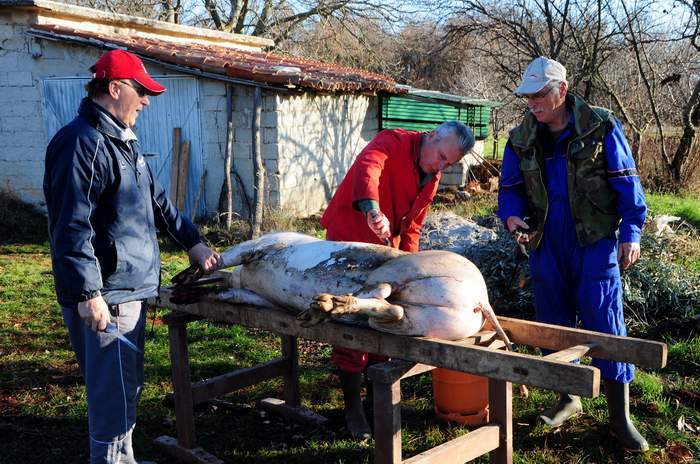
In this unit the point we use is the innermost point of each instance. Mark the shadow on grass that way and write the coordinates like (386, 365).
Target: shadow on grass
(21, 223)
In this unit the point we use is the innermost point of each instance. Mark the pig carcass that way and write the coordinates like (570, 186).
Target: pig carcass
(428, 293)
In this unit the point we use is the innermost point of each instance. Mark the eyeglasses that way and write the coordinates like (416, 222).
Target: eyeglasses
(140, 91)
(541, 94)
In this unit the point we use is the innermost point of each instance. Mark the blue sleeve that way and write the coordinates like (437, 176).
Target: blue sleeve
(74, 179)
(170, 220)
(512, 199)
(623, 178)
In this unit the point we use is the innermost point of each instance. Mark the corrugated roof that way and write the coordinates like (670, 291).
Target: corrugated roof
(211, 60)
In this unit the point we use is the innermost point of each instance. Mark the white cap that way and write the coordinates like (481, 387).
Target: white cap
(539, 73)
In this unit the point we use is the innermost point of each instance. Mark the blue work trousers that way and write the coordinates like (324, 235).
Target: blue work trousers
(113, 374)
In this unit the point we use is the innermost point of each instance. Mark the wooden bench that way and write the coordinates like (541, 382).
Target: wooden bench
(417, 354)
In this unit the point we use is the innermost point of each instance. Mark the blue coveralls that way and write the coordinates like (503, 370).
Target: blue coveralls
(569, 280)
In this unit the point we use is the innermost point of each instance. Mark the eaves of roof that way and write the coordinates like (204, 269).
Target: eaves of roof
(243, 66)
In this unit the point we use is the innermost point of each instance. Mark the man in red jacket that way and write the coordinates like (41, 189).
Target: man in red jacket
(384, 199)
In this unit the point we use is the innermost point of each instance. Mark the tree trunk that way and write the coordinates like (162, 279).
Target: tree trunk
(259, 168)
(229, 156)
(691, 120)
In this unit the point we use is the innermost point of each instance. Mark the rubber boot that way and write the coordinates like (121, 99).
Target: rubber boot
(618, 396)
(568, 406)
(355, 419)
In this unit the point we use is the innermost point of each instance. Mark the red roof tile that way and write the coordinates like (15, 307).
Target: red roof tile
(263, 67)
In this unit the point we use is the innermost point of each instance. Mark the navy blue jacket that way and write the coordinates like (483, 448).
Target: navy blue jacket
(104, 208)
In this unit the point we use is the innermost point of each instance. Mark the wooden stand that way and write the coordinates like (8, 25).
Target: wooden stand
(554, 372)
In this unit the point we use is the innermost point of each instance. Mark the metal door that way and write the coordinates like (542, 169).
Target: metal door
(177, 107)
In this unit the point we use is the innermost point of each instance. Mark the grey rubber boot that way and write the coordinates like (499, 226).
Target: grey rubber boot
(618, 396)
(355, 419)
(568, 406)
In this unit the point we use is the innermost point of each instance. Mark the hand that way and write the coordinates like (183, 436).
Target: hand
(513, 223)
(379, 224)
(206, 258)
(628, 254)
(95, 313)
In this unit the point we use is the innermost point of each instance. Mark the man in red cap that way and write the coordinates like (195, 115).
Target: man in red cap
(104, 208)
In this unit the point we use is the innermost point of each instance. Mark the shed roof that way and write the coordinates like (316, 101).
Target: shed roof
(213, 54)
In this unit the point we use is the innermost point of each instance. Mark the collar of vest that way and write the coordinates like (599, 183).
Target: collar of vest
(586, 120)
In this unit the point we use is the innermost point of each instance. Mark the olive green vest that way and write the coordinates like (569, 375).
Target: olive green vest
(593, 202)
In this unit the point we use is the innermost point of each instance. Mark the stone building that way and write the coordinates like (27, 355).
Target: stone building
(314, 117)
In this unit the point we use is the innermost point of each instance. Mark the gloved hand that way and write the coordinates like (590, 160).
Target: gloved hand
(206, 258)
(379, 224)
(94, 312)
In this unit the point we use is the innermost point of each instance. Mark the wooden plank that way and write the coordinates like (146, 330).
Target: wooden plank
(231, 381)
(396, 369)
(645, 353)
(182, 383)
(183, 172)
(570, 354)
(501, 414)
(295, 413)
(461, 449)
(175, 163)
(183, 454)
(498, 364)
(291, 373)
(387, 422)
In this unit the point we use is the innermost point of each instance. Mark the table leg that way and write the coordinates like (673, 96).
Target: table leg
(501, 413)
(182, 383)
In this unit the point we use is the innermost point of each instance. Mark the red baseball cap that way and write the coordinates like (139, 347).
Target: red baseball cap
(120, 64)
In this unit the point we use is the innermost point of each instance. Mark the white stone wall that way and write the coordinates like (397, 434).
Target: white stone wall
(319, 137)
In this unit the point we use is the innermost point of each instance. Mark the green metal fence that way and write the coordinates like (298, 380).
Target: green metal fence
(411, 114)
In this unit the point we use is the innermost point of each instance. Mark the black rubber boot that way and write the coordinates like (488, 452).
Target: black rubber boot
(355, 419)
(568, 406)
(618, 396)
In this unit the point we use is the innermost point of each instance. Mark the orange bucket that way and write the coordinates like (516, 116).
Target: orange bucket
(461, 398)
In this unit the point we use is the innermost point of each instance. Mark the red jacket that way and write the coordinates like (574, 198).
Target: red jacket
(385, 171)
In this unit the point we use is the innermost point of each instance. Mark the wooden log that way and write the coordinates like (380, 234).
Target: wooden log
(295, 413)
(396, 369)
(291, 372)
(461, 449)
(175, 163)
(182, 384)
(497, 364)
(387, 422)
(183, 172)
(501, 414)
(232, 381)
(645, 353)
(184, 454)
(570, 354)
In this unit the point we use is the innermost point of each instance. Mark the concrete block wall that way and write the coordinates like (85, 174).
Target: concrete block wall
(319, 137)
(214, 125)
(458, 174)
(24, 62)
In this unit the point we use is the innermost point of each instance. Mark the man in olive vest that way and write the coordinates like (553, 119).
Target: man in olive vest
(570, 188)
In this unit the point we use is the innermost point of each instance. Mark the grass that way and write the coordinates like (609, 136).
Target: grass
(43, 412)
(686, 207)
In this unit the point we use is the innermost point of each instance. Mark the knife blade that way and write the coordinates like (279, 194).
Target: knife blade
(112, 329)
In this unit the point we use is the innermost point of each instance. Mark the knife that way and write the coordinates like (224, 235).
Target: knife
(112, 329)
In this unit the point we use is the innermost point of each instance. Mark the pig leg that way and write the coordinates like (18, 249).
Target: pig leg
(368, 301)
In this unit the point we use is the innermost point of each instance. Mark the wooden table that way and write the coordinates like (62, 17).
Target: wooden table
(479, 355)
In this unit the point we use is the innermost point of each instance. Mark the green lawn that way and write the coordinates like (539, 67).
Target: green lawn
(43, 414)
(686, 207)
